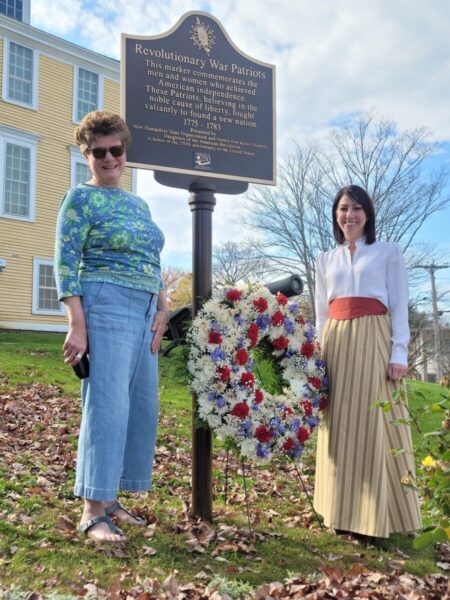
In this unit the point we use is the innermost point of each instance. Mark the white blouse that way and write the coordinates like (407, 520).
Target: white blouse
(376, 271)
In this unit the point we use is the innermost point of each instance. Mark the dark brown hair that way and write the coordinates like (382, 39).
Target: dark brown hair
(360, 196)
(101, 122)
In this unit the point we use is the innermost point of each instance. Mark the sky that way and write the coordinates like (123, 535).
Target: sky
(332, 59)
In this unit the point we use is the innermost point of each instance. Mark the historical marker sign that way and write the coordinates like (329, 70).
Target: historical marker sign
(196, 105)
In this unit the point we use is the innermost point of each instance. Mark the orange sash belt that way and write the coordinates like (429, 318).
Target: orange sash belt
(343, 309)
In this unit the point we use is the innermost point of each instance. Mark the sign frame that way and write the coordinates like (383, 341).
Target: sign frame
(171, 166)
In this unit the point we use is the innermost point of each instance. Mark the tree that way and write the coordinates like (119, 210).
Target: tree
(172, 276)
(368, 151)
(233, 262)
(182, 295)
(291, 216)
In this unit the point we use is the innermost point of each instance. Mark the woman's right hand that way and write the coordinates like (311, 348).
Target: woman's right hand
(75, 344)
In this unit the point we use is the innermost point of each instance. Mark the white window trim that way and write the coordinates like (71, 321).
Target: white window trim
(5, 84)
(19, 138)
(37, 262)
(75, 91)
(26, 11)
(134, 181)
(76, 156)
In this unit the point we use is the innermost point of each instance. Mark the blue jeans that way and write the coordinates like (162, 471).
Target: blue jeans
(120, 398)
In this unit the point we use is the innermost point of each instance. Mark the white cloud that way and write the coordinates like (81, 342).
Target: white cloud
(332, 59)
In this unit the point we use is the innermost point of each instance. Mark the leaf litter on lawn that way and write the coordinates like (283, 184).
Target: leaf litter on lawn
(39, 427)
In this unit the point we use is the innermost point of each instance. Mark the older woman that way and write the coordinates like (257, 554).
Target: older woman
(362, 318)
(108, 275)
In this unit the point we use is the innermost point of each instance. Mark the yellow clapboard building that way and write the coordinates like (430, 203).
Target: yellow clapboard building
(47, 86)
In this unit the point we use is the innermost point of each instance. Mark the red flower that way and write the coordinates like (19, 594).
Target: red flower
(323, 403)
(261, 304)
(240, 410)
(278, 318)
(287, 411)
(302, 434)
(280, 343)
(288, 444)
(233, 295)
(300, 319)
(241, 356)
(263, 434)
(248, 378)
(307, 349)
(315, 382)
(307, 407)
(259, 396)
(281, 299)
(224, 373)
(252, 334)
(214, 337)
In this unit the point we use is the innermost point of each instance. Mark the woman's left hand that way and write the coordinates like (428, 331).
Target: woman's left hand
(159, 326)
(396, 371)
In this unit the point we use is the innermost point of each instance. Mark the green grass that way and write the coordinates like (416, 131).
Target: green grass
(38, 552)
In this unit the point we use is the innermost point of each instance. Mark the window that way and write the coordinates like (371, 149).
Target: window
(20, 75)
(45, 296)
(17, 174)
(12, 8)
(79, 171)
(87, 93)
(16, 9)
(82, 173)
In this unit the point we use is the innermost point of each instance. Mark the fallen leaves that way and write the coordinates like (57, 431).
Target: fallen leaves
(37, 443)
(36, 437)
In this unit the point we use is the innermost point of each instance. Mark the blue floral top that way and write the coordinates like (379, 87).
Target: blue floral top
(106, 235)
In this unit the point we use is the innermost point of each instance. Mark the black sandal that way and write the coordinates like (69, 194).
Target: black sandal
(87, 525)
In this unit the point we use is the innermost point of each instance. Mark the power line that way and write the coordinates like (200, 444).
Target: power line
(437, 337)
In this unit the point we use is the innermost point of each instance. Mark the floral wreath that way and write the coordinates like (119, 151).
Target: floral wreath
(223, 337)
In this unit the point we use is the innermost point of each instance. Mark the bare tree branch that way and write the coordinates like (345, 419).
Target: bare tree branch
(368, 150)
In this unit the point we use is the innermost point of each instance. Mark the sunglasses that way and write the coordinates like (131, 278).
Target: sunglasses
(115, 151)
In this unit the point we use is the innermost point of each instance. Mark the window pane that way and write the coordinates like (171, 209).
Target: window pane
(20, 81)
(48, 297)
(87, 92)
(12, 8)
(17, 180)
(82, 173)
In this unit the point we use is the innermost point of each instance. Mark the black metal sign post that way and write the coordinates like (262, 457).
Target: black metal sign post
(201, 114)
(202, 203)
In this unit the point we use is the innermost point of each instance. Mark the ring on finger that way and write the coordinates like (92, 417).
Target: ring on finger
(79, 355)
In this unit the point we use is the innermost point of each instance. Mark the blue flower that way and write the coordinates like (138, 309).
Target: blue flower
(312, 421)
(261, 451)
(245, 427)
(309, 333)
(297, 450)
(217, 354)
(289, 325)
(215, 326)
(220, 401)
(263, 322)
(294, 307)
(212, 396)
(296, 424)
(239, 320)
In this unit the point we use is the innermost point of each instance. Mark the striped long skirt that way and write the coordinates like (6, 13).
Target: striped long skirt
(358, 479)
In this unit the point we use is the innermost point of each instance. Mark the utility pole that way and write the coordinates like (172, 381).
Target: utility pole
(436, 326)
